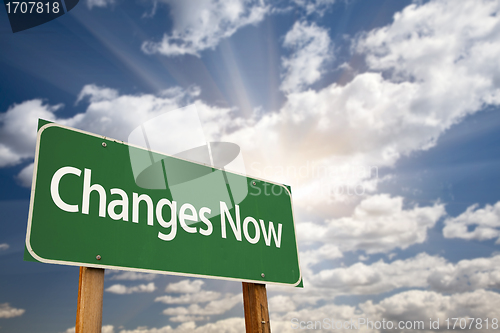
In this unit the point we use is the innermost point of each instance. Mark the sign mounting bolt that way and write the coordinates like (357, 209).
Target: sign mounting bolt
(263, 275)
(254, 183)
(104, 144)
(98, 257)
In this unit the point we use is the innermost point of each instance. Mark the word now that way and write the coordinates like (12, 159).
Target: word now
(187, 212)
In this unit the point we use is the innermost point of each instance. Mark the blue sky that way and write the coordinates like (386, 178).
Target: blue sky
(407, 90)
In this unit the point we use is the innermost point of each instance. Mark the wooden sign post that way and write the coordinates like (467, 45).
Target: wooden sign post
(255, 306)
(89, 308)
(90, 295)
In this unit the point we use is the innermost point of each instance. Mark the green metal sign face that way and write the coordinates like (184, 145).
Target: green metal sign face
(87, 209)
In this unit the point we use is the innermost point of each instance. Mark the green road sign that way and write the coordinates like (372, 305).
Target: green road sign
(99, 202)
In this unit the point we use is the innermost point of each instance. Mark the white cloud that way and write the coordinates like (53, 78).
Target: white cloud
(281, 303)
(230, 325)
(378, 277)
(131, 276)
(4, 246)
(325, 252)
(364, 258)
(283, 322)
(201, 296)
(413, 305)
(315, 6)
(99, 3)
(215, 307)
(466, 275)
(187, 318)
(434, 65)
(200, 25)
(18, 130)
(117, 115)
(26, 175)
(108, 113)
(6, 311)
(104, 329)
(379, 224)
(421, 271)
(122, 290)
(216, 303)
(439, 42)
(185, 286)
(417, 305)
(97, 94)
(486, 223)
(311, 47)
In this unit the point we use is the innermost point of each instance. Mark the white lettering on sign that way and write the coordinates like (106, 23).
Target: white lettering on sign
(54, 188)
(165, 211)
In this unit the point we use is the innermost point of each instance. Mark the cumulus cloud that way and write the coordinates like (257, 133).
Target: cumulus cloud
(379, 224)
(107, 329)
(413, 306)
(281, 303)
(201, 296)
(4, 246)
(197, 312)
(378, 277)
(426, 71)
(324, 252)
(216, 303)
(122, 290)
(201, 25)
(115, 115)
(6, 311)
(311, 49)
(108, 113)
(230, 325)
(18, 130)
(104, 329)
(131, 276)
(315, 6)
(185, 286)
(460, 41)
(26, 175)
(422, 271)
(97, 94)
(485, 222)
(466, 275)
(417, 305)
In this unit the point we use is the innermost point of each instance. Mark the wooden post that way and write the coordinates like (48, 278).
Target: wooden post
(89, 309)
(255, 305)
